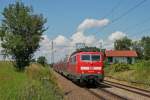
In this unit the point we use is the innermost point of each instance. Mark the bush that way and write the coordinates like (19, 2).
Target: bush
(42, 84)
(136, 73)
(42, 60)
(120, 67)
(36, 90)
(38, 72)
(142, 72)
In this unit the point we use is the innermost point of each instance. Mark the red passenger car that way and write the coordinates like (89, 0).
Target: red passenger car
(83, 67)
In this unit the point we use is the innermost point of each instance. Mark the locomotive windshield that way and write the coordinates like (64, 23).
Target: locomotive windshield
(95, 57)
(90, 57)
(85, 57)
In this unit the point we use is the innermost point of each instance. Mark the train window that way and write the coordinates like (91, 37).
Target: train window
(95, 57)
(73, 60)
(85, 57)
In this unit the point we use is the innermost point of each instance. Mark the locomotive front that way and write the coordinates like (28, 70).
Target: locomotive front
(90, 67)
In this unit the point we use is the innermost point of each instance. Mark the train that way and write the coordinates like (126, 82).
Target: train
(82, 67)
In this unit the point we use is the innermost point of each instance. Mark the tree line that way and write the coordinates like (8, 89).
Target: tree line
(142, 46)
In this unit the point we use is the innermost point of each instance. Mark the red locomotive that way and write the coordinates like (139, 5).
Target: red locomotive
(82, 67)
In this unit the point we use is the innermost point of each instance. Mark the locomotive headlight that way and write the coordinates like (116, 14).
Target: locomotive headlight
(97, 68)
(91, 68)
(82, 72)
(84, 68)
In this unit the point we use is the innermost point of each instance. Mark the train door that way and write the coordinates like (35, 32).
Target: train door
(72, 65)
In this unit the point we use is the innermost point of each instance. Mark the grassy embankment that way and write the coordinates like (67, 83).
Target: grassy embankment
(136, 73)
(36, 83)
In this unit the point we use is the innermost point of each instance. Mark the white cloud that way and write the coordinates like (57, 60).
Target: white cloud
(64, 46)
(45, 44)
(109, 42)
(92, 23)
(80, 37)
(45, 48)
(116, 35)
(60, 40)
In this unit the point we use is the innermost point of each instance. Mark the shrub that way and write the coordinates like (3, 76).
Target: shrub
(42, 84)
(42, 60)
(37, 72)
(36, 90)
(142, 72)
(120, 67)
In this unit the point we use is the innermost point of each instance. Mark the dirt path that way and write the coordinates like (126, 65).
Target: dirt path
(72, 91)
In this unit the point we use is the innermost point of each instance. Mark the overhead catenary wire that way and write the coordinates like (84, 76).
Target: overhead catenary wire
(112, 10)
(108, 14)
(136, 25)
(141, 32)
(115, 7)
(128, 11)
(123, 14)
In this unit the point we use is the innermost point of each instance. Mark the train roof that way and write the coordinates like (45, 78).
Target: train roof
(89, 52)
(86, 50)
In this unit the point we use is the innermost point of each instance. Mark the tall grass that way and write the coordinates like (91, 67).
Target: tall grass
(142, 72)
(137, 73)
(11, 82)
(36, 83)
(43, 84)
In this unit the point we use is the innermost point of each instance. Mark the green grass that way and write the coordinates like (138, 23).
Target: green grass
(142, 72)
(137, 73)
(36, 83)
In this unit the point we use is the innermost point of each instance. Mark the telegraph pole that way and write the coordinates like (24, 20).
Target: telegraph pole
(52, 53)
(100, 45)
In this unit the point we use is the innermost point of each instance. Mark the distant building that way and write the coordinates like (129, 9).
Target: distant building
(121, 56)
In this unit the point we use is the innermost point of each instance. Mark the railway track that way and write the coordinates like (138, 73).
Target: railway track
(138, 91)
(103, 94)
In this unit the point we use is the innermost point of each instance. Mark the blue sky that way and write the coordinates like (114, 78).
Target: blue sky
(64, 16)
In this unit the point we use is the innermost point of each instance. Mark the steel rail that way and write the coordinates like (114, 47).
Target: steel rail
(128, 88)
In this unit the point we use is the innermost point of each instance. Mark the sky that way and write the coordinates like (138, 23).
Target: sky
(88, 21)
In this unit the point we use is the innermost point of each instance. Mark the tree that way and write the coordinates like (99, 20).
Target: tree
(20, 33)
(123, 44)
(137, 46)
(42, 60)
(146, 45)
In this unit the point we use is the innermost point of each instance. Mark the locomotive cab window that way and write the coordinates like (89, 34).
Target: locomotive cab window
(95, 57)
(85, 57)
(73, 60)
